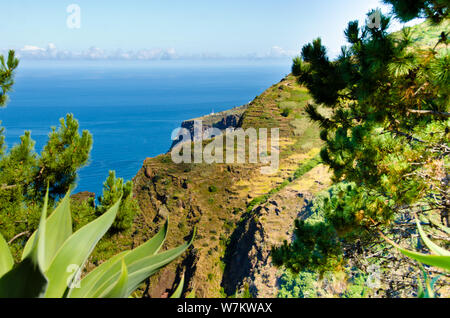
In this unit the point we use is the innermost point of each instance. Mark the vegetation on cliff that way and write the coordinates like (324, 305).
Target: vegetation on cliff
(386, 138)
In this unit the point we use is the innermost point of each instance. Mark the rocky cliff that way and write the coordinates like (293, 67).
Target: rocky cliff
(231, 247)
(223, 120)
(248, 262)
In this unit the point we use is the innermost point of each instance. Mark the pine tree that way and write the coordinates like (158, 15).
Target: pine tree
(6, 82)
(63, 155)
(7, 75)
(24, 174)
(406, 10)
(389, 126)
(113, 190)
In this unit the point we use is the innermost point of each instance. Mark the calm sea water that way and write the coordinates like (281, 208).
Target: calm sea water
(130, 108)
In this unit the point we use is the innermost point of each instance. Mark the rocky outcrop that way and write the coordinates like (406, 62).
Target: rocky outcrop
(83, 196)
(223, 120)
(248, 262)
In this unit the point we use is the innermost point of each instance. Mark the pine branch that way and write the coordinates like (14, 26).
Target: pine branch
(409, 137)
(17, 236)
(8, 187)
(314, 115)
(429, 112)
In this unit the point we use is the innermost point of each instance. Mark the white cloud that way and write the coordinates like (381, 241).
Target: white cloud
(278, 52)
(32, 49)
(33, 52)
(93, 53)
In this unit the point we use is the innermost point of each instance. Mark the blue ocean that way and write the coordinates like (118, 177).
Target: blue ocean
(130, 108)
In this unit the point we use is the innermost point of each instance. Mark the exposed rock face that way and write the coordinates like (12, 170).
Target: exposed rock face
(180, 192)
(83, 196)
(249, 263)
(227, 119)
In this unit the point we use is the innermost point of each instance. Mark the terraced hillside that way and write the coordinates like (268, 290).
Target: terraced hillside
(218, 199)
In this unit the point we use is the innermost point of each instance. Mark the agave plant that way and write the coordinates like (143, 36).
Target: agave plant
(440, 259)
(54, 257)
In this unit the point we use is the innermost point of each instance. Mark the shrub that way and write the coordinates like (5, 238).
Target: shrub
(83, 212)
(286, 112)
(212, 189)
(113, 190)
(302, 285)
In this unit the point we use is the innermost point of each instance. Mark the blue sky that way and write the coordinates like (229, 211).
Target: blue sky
(231, 28)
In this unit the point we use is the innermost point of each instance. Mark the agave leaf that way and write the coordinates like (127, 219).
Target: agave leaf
(90, 279)
(142, 269)
(432, 260)
(432, 246)
(119, 290)
(191, 294)
(151, 247)
(38, 250)
(179, 291)
(434, 281)
(27, 280)
(59, 229)
(76, 250)
(6, 259)
(437, 224)
(139, 273)
(420, 291)
(111, 267)
(428, 292)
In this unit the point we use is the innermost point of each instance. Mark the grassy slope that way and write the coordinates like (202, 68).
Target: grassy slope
(425, 35)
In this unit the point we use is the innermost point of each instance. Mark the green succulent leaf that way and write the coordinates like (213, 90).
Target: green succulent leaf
(191, 294)
(111, 267)
(119, 290)
(431, 260)
(146, 267)
(59, 229)
(431, 245)
(142, 269)
(428, 292)
(179, 291)
(75, 251)
(27, 280)
(88, 282)
(6, 259)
